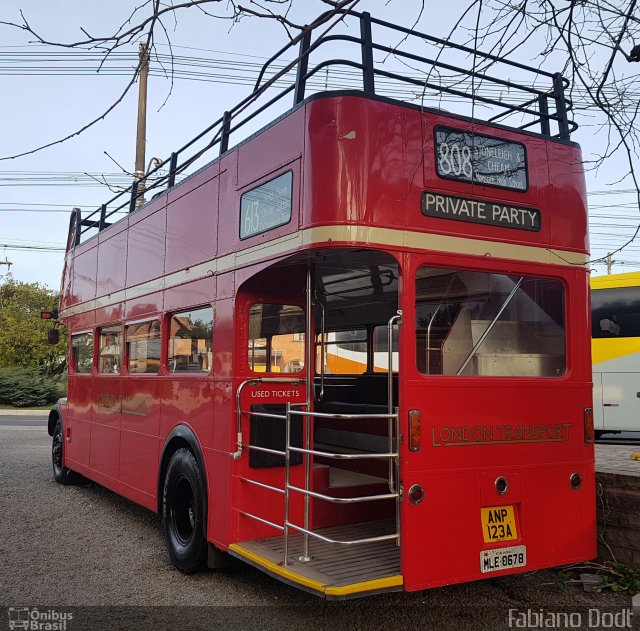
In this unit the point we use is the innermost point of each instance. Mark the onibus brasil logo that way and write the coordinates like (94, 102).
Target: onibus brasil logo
(34, 619)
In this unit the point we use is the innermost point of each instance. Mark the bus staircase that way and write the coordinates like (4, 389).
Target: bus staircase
(332, 552)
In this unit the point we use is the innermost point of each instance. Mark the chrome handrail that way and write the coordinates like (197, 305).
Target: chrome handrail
(343, 500)
(275, 489)
(338, 456)
(345, 417)
(340, 541)
(236, 455)
(392, 455)
(262, 520)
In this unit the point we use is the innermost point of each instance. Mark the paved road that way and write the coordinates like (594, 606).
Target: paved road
(22, 420)
(83, 550)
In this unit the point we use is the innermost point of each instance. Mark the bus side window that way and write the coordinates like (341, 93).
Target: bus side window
(143, 347)
(190, 341)
(110, 352)
(82, 353)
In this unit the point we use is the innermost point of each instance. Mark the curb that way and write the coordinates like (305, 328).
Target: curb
(24, 412)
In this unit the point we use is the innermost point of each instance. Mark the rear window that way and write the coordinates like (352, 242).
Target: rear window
(485, 324)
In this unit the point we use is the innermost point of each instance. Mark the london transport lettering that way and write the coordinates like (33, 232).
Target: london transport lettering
(479, 211)
(500, 434)
(481, 159)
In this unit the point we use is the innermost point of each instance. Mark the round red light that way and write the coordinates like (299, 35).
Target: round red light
(416, 494)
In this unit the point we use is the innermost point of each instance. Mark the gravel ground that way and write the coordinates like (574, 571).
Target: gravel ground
(85, 551)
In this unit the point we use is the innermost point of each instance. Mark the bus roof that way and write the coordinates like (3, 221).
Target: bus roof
(627, 279)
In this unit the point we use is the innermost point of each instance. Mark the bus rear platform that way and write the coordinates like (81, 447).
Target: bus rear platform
(332, 572)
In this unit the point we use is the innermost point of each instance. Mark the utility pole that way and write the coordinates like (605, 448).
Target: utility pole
(141, 135)
(609, 264)
(8, 263)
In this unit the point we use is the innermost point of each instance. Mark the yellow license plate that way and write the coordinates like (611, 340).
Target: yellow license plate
(498, 523)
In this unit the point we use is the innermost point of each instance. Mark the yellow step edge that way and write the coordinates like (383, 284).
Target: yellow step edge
(328, 590)
(367, 586)
(277, 569)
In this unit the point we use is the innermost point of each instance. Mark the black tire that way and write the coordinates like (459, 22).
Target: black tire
(183, 513)
(61, 474)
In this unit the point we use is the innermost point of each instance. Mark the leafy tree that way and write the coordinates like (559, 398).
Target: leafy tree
(23, 334)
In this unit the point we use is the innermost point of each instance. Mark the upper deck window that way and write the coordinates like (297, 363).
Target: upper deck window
(190, 341)
(82, 353)
(266, 206)
(143, 347)
(276, 338)
(484, 324)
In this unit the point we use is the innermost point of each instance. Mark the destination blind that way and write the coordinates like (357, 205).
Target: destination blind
(490, 213)
(475, 158)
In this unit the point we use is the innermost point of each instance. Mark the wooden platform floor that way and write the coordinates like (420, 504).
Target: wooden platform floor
(336, 564)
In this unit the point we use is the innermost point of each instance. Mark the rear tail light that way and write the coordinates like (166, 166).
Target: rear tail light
(415, 435)
(589, 432)
(416, 494)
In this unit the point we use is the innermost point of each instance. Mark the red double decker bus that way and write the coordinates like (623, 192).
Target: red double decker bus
(352, 349)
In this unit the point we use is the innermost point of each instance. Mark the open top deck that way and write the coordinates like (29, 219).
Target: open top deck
(445, 77)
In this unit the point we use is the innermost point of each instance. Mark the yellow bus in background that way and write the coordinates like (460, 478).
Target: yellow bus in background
(615, 322)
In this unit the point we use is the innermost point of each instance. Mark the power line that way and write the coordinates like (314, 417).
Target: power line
(31, 248)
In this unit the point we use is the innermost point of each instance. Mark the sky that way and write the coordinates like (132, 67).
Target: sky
(49, 92)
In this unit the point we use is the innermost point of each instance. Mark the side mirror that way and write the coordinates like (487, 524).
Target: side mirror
(53, 336)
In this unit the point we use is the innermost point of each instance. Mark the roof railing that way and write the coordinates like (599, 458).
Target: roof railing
(546, 107)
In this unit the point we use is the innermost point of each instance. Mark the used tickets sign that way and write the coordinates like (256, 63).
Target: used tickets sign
(480, 211)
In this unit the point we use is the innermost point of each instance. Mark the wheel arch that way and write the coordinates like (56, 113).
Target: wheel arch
(182, 436)
(54, 414)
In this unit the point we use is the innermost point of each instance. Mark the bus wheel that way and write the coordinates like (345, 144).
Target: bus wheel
(183, 516)
(61, 474)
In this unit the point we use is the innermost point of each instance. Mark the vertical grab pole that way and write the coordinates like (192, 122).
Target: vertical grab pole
(393, 424)
(307, 422)
(397, 466)
(396, 319)
(287, 460)
(322, 352)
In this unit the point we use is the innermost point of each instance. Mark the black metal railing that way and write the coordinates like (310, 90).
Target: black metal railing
(536, 99)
